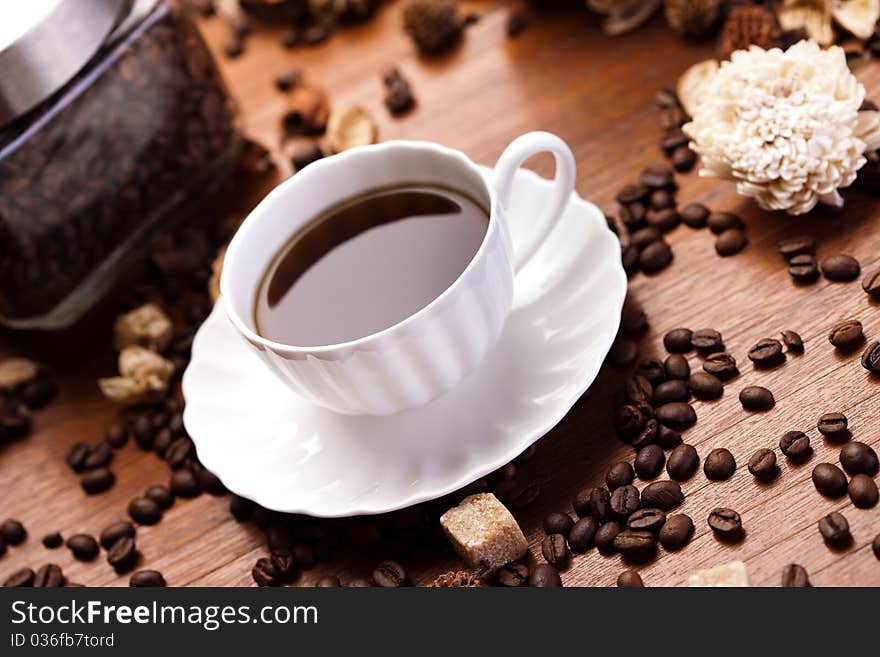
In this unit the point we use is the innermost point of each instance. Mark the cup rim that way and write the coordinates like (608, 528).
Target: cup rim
(282, 189)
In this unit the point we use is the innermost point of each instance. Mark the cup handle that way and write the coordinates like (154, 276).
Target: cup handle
(519, 150)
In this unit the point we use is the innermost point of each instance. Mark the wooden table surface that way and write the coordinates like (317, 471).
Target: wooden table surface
(597, 93)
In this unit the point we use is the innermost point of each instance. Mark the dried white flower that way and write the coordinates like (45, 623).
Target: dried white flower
(785, 126)
(146, 326)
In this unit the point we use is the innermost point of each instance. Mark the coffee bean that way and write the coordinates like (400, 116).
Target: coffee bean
(116, 436)
(632, 194)
(678, 341)
(209, 482)
(677, 367)
(265, 573)
(795, 576)
(629, 257)
(241, 508)
(660, 199)
(83, 547)
(664, 220)
(655, 257)
(795, 246)
(545, 576)
(76, 457)
(123, 555)
(871, 284)
(871, 358)
(846, 335)
(633, 216)
(756, 398)
(795, 445)
(623, 352)
(53, 540)
(719, 464)
(162, 441)
(663, 495)
(803, 268)
(720, 222)
(178, 453)
(657, 176)
(521, 496)
(629, 579)
(841, 268)
(677, 415)
(762, 464)
(863, 491)
(637, 547)
(671, 391)
(12, 532)
(705, 386)
(683, 462)
(730, 242)
(184, 484)
(582, 535)
(581, 502)
(161, 495)
(513, 574)
(649, 462)
(305, 555)
(99, 456)
(707, 341)
(684, 158)
(20, 578)
(600, 504)
(766, 353)
(555, 549)
(359, 583)
(726, 524)
(634, 322)
(639, 389)
(624, 501)
(695, 215)
(835, 530)
(97, 481)
(649, 520)
(49, 576)
(144, 511)
(147, 578)
(390, 574)
(143, 431)
(605, 536)
(646, 436)
(619, 474)
(832, 424)
(653, 370)
(676, 532)
(112, 533)
(859, 458)
(875, 546)
(793, 342)
(721, 365)
(558, 523)
(667, 438)
(829, 480)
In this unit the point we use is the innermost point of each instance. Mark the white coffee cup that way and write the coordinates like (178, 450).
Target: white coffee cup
(426, 354)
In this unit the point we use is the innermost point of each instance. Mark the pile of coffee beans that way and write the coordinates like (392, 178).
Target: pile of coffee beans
(674, 142)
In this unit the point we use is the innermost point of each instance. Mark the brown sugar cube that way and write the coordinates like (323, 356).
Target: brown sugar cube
(483, 532)
(730, 574)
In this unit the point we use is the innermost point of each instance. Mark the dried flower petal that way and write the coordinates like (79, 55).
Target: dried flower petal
(814, 16)
(139, 363)
(623, 15)
(146, 326)
(350, 127)
(15, 371)
(692, 85)
(857, 16)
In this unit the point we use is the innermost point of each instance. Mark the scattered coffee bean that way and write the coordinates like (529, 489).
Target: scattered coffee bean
(793, 342)
(555, 549)
(707, 341)
(766, 353)
(803, 268)
(633, 216)
(795, 445)
(12, 532)
(795, 246)
(144, 511)
(147, 578)
(639, 390)
(517, 22)
(695, 215)
(581, 502)
(682, 463)
(762, 464)
(720, 222)
(841, 268)
(859, 458)
(629, 579)
(123, 555)
(756, 398)
(875, 546)
(677, 415)
(83, 547)
(162, 441)
(649, 462)
(705, 386)
(671, 391)
(637, 547)
(39, 392)
(265, 573)
(600, 504)
(719, 464)
(53, 540)
(76, 457)
(730, 242)
(871, 284)
(655, 257)
(209, 482)
(624, 501)
(558, 523)
(513, 574)
(49, 576)
(677, 367)
(721, 365)
(653, 370)
(667, 438)
(657, 176)
(829, 480)
(20, 578)
(184, 484)
(684, 158)
(663, 495)
(544, 575)
(835, 530)
(664, 220)
(390, 574)
(726, 524)
(582, 534)
(863, 491)
(632, 194)
(112, 533)
(678, 341)
(305, 155)
(97, 481)
(676, 532)
(833, 425)
(161, 495)
(795, 576)
(634, 322)
(288, 80)
(399, 97)
(241, 508)
(623, 352)
(100, 455)
(619, 474)
(179, 452)
(648, 520)
(647, 435)
(871, 358)
(846, 335)
(605, 536)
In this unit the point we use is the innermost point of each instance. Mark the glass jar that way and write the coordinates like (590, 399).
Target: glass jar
(93, 169)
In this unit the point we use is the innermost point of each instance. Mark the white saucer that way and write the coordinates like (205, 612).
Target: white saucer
(269, 446)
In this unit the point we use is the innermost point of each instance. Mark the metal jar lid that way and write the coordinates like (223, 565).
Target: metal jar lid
(44, 43)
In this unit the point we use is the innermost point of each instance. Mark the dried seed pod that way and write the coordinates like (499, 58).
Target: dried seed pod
(139, 363)
(692, 17)
(691, 86)
(146, 326)
(746, 26)
(623, 15)
(350, 127)
(434, 25)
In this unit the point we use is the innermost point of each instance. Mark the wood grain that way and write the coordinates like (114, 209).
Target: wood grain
(597, 93)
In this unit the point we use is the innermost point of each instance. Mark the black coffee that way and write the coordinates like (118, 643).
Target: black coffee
(368, 263)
